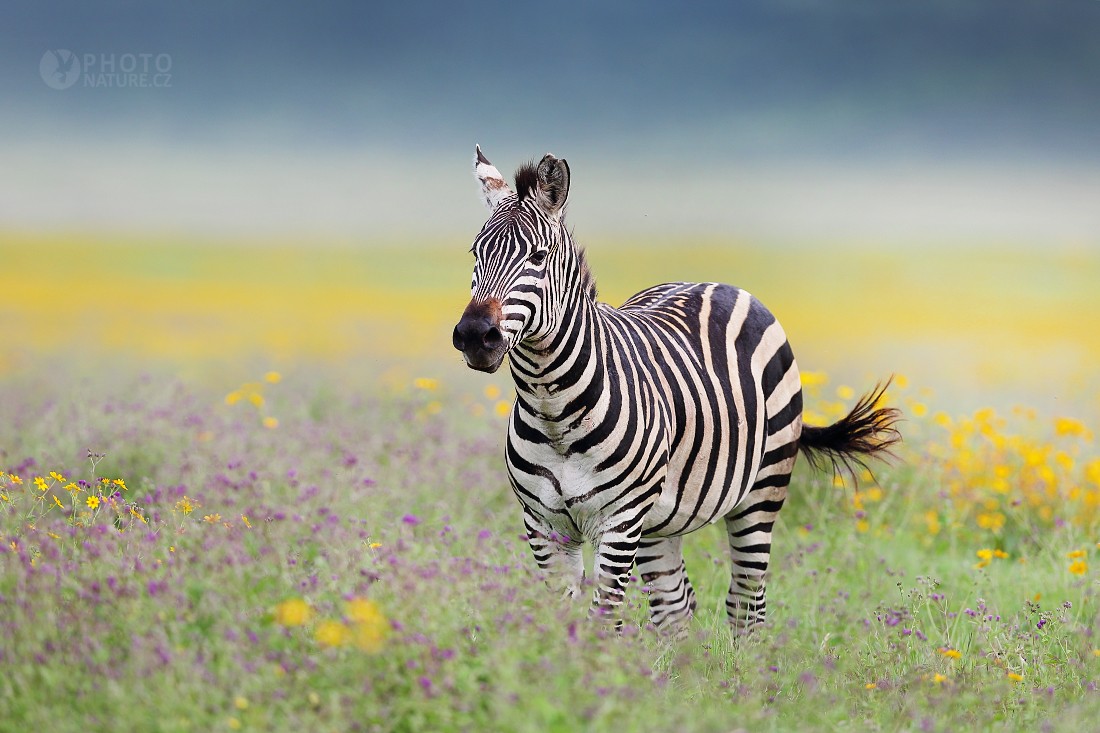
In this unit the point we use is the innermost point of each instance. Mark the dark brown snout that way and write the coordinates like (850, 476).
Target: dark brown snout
(478, 335)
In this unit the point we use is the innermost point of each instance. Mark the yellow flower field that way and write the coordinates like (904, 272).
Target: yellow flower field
(958, 319)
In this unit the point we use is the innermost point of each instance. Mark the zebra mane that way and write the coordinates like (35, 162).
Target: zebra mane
(526, 180)
(588, 280)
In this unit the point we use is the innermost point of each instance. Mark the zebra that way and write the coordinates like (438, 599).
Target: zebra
(634, 426)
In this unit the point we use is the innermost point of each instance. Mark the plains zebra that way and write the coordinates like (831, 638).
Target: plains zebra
(636, 425)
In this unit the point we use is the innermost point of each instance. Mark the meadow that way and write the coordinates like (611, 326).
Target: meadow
(249, 487)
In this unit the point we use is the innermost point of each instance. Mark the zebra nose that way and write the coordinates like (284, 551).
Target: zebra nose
(475, 332)
(492, 338)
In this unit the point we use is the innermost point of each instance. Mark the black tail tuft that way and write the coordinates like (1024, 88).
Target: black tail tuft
(866, 432)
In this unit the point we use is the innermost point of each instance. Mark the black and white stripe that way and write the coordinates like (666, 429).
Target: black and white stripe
(636, 425)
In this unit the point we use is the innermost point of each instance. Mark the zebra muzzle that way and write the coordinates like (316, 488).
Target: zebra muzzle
(478, 336)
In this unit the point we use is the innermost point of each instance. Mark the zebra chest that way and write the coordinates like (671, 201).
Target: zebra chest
(561, 486)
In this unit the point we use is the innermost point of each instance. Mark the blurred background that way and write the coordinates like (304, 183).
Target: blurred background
(911, 187)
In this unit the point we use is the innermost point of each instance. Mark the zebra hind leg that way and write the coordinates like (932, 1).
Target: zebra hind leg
(749, 527)
(660, 565)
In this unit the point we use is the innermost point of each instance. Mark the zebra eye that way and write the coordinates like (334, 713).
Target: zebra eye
(537, 257)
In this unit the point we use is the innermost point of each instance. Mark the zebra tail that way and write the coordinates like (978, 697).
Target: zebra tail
(866, 432)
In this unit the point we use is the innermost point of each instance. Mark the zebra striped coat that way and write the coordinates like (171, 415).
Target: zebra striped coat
(636, 425)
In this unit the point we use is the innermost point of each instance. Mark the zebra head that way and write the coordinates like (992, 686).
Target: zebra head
(512, 277)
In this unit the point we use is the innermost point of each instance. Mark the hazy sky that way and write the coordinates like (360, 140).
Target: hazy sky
(781, 119)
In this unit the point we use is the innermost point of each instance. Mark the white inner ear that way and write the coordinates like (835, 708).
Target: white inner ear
(493, 186)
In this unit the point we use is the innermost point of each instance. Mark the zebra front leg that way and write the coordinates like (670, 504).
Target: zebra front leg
(750, 537)
(559, 557)
(660, 564)
(615, 554)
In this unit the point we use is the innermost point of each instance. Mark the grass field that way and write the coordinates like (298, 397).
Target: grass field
(249, 488)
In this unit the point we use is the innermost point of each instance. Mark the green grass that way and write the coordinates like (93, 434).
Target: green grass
(169, 625)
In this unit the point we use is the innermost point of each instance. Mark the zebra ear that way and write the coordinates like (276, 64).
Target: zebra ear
(552, 175)
(493, 186)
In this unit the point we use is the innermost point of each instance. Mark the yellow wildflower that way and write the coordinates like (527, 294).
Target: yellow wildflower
(426, 383)
(234, 724)
(950, 653)
(72, 489)
(812, 417)
(369, 638)
(58, 502)
(240, 702)
(1069, 426)
(871, 686)
(57, 477)
(369, 626)
(503, 408)
(233, 398)
(1015, 677)
(120, 484)
(16, 480)
(40, 483)
(863, 525)
(246, 522)
(271, 422)
(212, 518)
(293, 612)
(375, 545)
(331, 633)
(991, 520)
(256, 399)
(814, 379)
(932, 520)
(492, 391)
(1000, 554)
(1075, 554)
(361, 610)
(1092, 472)
(273, 377)
(985, 554)
(919, 409)
(1079, 567)
(92, 502)
(939, 679)
(186, 505)
(845, 392)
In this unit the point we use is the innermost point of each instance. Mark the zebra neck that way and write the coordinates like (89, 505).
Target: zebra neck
(561, 379)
